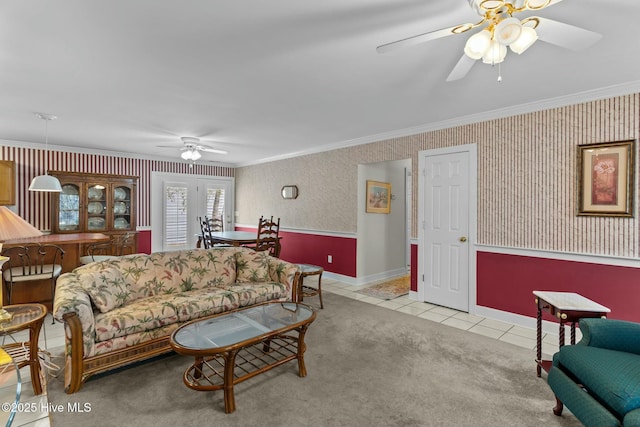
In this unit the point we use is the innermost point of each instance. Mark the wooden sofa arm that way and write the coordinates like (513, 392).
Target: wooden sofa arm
(73, 362)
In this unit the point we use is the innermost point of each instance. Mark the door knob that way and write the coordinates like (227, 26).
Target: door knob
(463, 239)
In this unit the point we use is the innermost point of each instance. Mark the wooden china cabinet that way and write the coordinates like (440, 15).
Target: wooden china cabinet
(95, 203)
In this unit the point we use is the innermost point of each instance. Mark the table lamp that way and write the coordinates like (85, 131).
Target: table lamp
(12, 227)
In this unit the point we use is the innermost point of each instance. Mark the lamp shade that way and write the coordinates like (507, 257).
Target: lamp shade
(528, 36)
(495, 54)
(508, 30)
(45, 183)
(14, 227)
(478, 44)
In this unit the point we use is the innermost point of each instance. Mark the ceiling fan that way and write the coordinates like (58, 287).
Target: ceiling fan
(502, 29)
(191, 148)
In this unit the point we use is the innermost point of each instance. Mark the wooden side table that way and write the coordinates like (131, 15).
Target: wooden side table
(25, 316)
(308, 291)
(567, 307)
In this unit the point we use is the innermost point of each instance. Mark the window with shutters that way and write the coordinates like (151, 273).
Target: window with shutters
(176, 215)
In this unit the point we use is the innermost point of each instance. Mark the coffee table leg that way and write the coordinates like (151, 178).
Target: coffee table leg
(34, 361)
(229, 368)
(302, 347)
(197, 371)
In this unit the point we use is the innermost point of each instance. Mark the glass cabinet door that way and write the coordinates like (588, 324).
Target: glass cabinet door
(122, 207)
(69, 208)
(96, 207)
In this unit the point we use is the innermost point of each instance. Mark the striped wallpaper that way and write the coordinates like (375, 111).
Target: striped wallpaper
(30, 162)
(527, 183)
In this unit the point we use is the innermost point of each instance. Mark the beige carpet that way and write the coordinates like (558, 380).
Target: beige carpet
(390, 289)
(367, 366)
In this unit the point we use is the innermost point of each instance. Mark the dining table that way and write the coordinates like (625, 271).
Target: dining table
(232, 238)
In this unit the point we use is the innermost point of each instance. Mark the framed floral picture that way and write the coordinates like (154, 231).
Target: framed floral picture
(605, 175)
(378, 197)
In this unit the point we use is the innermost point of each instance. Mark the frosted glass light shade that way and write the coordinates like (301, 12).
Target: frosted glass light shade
(495, 54)
(528, 37)
(508, 30)
(191, 155)
(478, 44)
(45, 183)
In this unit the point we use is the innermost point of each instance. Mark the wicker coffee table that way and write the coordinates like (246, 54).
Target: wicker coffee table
(237, 345)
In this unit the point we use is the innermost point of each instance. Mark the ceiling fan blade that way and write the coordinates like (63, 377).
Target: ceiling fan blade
(421, 38)
(461, 69)
(210, 149)
(566, 35)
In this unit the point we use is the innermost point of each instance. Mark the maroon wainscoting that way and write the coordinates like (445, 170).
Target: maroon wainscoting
(314, 249)
(144, 242)
(506, 282)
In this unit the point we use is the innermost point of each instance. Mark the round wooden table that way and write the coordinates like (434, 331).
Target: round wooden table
(308, 291)
(25, 316)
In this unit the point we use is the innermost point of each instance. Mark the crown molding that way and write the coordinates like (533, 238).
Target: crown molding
(550, 103)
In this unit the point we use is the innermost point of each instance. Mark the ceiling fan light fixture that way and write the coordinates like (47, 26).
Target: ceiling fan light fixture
(478, 44)
(508, 30)
(190, 140)
(495, 54)
(536, 4)
(195, 155)
(527, 38)
(491, 4)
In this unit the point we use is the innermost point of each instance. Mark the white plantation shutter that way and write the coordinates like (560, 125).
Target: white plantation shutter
(176, 215)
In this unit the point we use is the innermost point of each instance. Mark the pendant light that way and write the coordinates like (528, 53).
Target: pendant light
(46, 183)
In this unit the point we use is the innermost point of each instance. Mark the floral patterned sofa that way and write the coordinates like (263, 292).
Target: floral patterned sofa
(121, 311)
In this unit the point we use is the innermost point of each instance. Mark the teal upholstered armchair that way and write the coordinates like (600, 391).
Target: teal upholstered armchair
(598, 379)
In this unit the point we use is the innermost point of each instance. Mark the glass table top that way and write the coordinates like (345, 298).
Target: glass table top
(242, 325)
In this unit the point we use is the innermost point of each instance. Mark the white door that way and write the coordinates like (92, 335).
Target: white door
(445, 230)
(178, 207)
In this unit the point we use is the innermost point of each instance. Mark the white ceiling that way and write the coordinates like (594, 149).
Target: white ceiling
(270, 79)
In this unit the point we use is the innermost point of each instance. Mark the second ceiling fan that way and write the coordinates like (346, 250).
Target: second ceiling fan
(501, 30)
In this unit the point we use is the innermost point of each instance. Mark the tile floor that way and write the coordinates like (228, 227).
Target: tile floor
(52, 339)
(514, 334)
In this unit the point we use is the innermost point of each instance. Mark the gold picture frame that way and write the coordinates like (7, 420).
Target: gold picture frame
(605, 179)
(378, 197)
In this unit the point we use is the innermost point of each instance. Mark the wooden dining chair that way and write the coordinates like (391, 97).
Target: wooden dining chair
(208, 226)
(31, 263)
(117, 246)
(268, 238)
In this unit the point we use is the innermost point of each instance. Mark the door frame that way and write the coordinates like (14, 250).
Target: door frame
(472, 150)
(157, 198)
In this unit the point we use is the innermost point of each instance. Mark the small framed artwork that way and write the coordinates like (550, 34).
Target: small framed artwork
(378, 197)
(605, 179)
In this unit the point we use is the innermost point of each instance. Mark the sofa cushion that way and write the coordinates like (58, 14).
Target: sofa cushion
(138, 316)
(107, 288)
(165, 273)
(252, 266)
(613, 377)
